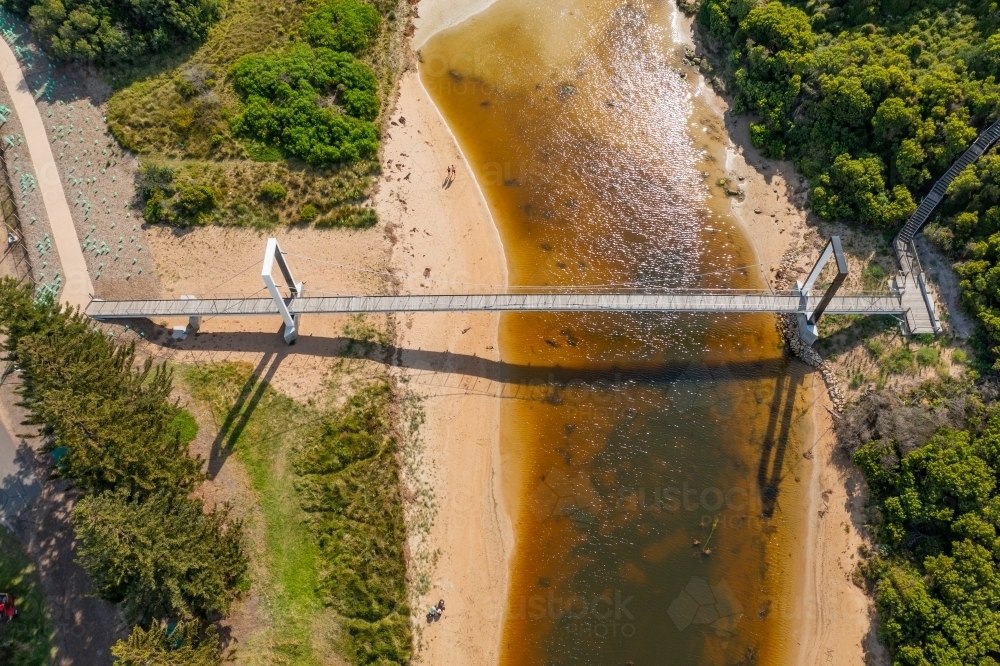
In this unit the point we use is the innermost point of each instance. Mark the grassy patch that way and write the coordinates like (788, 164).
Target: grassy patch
(329, 490)
(839, 333)
(928, 356)
(182, 116)
(349, 484)
(260, 426)
(27, 640)
(899, 361)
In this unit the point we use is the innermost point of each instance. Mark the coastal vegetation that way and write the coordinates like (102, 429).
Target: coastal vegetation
(328, 484)
(286, 94)
(145, 540)
(873, 102)
(106, 32)
(325, 479)
(931, 459)
(185, 645)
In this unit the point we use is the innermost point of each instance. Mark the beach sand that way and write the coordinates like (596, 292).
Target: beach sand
(445, 237)
(832, 616)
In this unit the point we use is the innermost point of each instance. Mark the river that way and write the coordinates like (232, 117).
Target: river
(652, 462)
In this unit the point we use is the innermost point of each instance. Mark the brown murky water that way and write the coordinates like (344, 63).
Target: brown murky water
(652, 460)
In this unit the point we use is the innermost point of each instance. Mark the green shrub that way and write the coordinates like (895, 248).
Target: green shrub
(351, 217)
(280, 94)
(875, 347)
(309, 214)
(272, 192)
(959, 356)
(157, 646)
(898, 361)
(758, 135)
(195, 202)
(159, 209)
(155, 178)
(928, 356)
(342, 25)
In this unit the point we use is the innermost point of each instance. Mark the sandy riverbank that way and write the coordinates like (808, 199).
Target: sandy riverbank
(833, 616)
(430, 239)
(448, 237)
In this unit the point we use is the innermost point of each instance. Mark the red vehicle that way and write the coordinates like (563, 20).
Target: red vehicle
(8, 607)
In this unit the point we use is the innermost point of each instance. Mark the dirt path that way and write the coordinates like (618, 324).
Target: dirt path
(78, 288)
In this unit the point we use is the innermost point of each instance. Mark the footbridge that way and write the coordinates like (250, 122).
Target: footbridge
(801, 301)
(909, 298)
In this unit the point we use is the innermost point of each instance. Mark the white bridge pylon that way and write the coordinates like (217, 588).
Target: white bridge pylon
(272, 255)
(801, 302)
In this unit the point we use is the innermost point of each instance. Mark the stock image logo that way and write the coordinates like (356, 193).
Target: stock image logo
(701, 603)
(604, 615)
(565, 493)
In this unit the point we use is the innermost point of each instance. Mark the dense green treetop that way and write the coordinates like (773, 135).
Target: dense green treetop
(160, 557)
(342, 25)
(314, 101)
(147, 543)
(882, 94)
(184, 646)
(108, 31)
(937, 583)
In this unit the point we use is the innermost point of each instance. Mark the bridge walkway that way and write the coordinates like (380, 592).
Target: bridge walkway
(577, 302)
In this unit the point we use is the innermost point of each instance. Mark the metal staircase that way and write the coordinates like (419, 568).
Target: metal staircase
(911, 284)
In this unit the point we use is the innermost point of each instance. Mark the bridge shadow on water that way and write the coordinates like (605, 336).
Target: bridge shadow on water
(515, 381)
(780, 422)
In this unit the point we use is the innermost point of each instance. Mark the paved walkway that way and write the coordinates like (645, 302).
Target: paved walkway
(18, 485)
(77, 289)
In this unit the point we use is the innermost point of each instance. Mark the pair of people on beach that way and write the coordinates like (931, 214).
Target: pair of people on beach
(450, 178)
(435, 612)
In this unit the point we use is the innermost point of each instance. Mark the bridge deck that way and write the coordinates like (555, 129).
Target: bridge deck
(658, 302)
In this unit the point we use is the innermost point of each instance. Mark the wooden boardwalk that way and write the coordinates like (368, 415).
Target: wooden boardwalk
(650, 302)
(920, 314)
